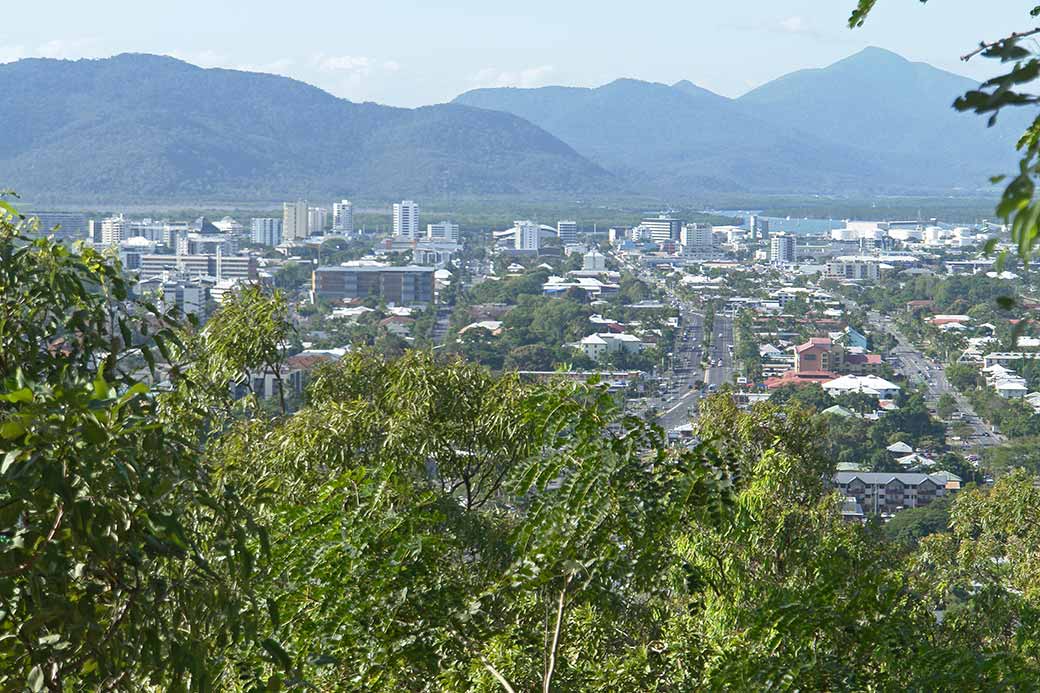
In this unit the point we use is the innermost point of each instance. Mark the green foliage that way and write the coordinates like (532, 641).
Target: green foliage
(125, 561)
(913, 524)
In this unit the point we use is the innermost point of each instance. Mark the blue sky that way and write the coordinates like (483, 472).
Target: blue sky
(410, 53)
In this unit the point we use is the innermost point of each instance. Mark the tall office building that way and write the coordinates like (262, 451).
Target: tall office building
(697, 236)
(567, 231)
(782, 249)
(662, 228)
(266, 231)
(294, 220)
(317, 220)
(406, 219)
(757, 227)
(527, 233)
(113, 230)
(61, 225)
(399, 286)
(444, 231)
(343, 217)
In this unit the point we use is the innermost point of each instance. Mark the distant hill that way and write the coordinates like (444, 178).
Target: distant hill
(872, 123)
(145, 127)
(899, 112)
(676, 139)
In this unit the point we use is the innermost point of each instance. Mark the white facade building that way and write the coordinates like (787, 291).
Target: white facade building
(343, 217)
(594, 261)
(527, 233)
(113, 230)
(662, 228)
(406, 219)
(266, 231)
(294, 221)
(853, 269)
(697, 237)
(317, 220)
(443, 231)
(782, 249)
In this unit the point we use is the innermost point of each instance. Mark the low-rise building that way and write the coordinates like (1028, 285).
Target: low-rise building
(866, 384)
(888, 493)
(397, 285)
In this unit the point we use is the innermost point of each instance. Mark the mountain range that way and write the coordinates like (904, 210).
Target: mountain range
(873, 122)
(139, 127)
(152, 128)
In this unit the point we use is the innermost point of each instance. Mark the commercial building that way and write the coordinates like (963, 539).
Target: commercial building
(295, 221)
(397, 285)
(567, 231)
(343, 217)
(757, 227)
(113, 230)
(856, 270)
(62, 225)
(317, 220)
(527, 235)
(266, 231)
(662, 228)
(782, 249)
(218, 266)
(443, 231)
(406, 219)
(697, 238)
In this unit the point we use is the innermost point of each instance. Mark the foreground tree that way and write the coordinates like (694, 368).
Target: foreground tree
(122, 563)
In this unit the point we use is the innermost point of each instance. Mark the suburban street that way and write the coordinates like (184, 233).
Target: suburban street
(918, 368)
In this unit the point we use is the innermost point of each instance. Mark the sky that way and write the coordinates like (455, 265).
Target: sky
(412, 53)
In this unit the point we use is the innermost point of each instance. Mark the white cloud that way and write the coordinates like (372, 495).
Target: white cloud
(391, 66)
(66, 48)
(527, 77)
(9, 54)
(58, 48)
(343, 63)
(795, 25)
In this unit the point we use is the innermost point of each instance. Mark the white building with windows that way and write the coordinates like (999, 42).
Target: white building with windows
(527, 235)
(697, 237)
(567, 231)
(295, 221)
(317, 220)
(406, 219)
(266, 231)
(343, 217)
(782, 249)
(661, 228)
(114, 230)
(856, 270)
(443, 231)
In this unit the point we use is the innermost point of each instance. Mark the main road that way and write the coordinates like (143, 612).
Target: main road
(918, 368)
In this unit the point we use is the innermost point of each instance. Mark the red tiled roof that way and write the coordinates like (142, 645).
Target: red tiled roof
(869, 359)
(803, 378)
(306, 362)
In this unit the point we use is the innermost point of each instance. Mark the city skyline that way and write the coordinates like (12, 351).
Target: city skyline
(439, 53)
